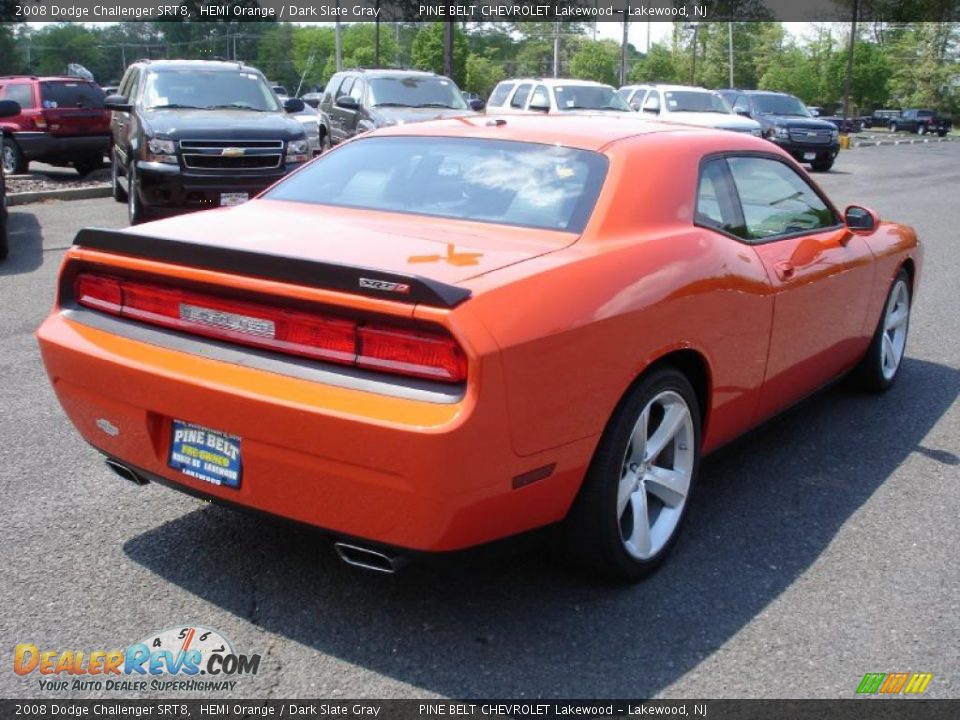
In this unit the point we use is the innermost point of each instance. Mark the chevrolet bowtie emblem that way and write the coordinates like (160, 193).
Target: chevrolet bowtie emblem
(232, 152)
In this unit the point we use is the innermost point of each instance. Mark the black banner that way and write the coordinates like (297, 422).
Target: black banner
(857, 709)
(476, 10)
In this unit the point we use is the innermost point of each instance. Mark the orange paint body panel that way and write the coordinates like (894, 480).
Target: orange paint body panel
(556, 329)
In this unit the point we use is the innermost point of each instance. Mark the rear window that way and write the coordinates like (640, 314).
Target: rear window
(66, 94)
(494, 181)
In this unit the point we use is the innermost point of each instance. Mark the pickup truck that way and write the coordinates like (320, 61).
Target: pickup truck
(920, 122)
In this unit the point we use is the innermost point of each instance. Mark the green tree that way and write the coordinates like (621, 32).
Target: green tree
(428, 51)
(658, 66)
(795, 74)
(55, 46)
(482, 75)
(593, 61)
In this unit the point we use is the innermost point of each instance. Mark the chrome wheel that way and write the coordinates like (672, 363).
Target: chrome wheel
(655, 475)
(895, 322)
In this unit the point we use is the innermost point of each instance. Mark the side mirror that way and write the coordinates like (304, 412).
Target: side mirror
(651, 110)
(861, 219)
(293, 105)
(9, 108)
(635, 105)
(477, 105)
(120, 103)
(347, 103)
(539, 108)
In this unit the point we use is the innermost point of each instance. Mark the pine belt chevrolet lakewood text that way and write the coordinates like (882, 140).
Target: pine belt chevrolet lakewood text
(441, 334)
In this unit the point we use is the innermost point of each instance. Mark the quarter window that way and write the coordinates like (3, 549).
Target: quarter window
(22, 94)
(776, 200)
(499, 96)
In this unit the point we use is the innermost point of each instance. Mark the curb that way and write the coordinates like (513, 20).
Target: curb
(917, 141)
(82, 193)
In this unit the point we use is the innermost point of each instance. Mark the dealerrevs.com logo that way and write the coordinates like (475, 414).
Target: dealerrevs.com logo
(183, 658)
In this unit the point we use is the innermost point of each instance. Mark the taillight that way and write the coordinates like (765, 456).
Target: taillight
(40, 121)
(401, 351)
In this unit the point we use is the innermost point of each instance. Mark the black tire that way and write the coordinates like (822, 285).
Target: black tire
(116, 189)
(135, 213)
(822, 165)
(87, 165)
(941, 133)
(324, 141)
(592, 535)
(871, 374)
(13, 161)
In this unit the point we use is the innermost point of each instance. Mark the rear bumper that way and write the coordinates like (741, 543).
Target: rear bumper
(393, 471)
(168, 189)
(44, 146)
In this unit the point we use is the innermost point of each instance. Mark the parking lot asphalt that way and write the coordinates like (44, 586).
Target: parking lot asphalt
(822, 546)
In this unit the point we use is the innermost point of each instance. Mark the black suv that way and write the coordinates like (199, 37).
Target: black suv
(8, 108)
(359, 100)
(194, 134)
(786, 121)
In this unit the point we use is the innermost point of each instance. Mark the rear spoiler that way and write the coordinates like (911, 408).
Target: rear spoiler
(398, 287)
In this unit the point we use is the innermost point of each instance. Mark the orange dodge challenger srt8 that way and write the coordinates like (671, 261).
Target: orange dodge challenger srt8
(442, 334)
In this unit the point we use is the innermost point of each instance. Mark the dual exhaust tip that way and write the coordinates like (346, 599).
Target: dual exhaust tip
(355, 555)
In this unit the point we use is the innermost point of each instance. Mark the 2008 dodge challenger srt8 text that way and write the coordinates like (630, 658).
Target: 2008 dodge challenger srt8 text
(443, 334)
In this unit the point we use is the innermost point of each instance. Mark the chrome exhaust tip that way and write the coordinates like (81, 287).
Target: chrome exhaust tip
(126, 473)
(368, 559)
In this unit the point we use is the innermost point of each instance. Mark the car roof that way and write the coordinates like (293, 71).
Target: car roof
(390, 72)
(554, 82)
(584, 131)
(177, 65)
(695, 88)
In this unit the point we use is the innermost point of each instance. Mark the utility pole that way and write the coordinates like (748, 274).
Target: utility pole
(730, 50)
(556, 49)
(624, 43)
(849, 79)
(693, 65)
(376, 36)
(448, 35)
(339, 49)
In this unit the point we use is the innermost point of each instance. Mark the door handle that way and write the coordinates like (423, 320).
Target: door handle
(785, 270)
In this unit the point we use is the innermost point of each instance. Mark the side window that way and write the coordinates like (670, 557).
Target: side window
(132, 85)
(520, 96)
(742, 103)
(717, 202)
(652, 101)
(344, 88)
(636, 102)
(356, 92)
(500, 93)
(540, 98)
(776, 200)
(22, 94)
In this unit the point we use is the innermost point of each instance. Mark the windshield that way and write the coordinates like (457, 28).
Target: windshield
(779, 105)
(413, 91)
(695, 101)
(589, 97)
(207, 89)
(71, 95)
(492, 181)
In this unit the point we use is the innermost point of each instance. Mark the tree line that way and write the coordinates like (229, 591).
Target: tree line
(896, 64)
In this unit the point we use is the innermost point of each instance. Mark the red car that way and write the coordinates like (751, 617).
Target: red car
(442, 334)
(62, 122)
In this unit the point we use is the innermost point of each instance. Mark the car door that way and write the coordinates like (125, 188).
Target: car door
(338, 115)
(121, 123)
(821, 275)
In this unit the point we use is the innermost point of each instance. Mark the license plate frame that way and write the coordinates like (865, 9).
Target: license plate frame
(232, 199)
(202, 453)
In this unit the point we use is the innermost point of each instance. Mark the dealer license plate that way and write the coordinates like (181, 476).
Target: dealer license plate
(809, 156)
(205, 454)
(235, 198)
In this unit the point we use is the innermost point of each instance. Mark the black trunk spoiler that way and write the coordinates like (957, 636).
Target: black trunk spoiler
(398, 287)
